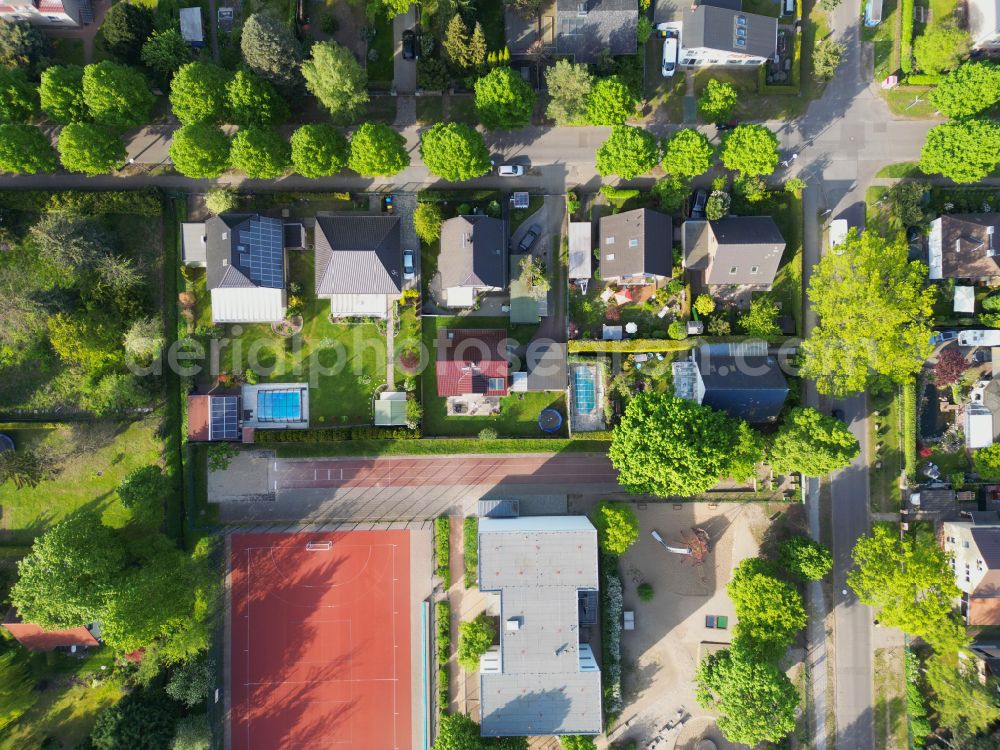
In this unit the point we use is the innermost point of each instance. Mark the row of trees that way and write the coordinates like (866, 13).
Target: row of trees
(751, 150)
(669, 446)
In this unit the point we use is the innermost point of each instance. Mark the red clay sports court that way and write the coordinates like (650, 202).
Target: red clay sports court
(321, 641)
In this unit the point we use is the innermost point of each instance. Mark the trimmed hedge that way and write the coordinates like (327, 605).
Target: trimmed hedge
(906, 38)
(578, 346)
(470, 550)
(443, 693)
(442, 552)
(442, 650)
(909, 407)
(144, 202)
(335, 435)
(612, 606)
(924, 79)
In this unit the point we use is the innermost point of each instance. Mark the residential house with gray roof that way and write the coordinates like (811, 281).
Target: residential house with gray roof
(735, 250)
(719, 32)
(581, 30)
(359, 263)
(473, 258)
(973, 545)
(636, 247)
(244, 259)
(542, 678)
(964, 246)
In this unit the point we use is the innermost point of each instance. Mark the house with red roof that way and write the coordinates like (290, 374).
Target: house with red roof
(56, 13)
(472, 362)
(36, 638)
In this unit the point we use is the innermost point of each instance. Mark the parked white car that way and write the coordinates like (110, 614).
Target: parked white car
(510, 170)
(670, 53)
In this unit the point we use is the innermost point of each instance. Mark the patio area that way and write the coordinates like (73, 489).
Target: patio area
(473, 405)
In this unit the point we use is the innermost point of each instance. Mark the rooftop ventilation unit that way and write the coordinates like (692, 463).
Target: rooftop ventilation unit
(513, 624)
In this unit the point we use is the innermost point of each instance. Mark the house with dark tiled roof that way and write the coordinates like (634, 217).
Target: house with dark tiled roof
(973, 545)
(55, 13)
(244, 260)
(964, 246)
(720, 32)
(581, 29)
(741, 379)
(471, 361)
(636, 247)
(735, 250)
(359, 263)
(473, 258)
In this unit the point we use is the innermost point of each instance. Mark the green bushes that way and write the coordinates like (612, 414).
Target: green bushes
(442, 551)
(474, 639)
(442, 650)
(470, 550)
(916, 709)
(906, 39)
(909, 407)
(132, 202)
(645, 592)
(612, 606)
(580, 346)
(335, 435)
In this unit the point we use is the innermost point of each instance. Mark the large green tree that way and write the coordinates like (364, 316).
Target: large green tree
(90, 148)
(962, 150)
(145, 719)
(454, 151)
(200, 150)
(874, 308)
(68, 577)
(910, 582)
(611, 102)
(126, 28)
(458, 732)
(617, 526)
(198, 93)
(61, 93)
(252, 100)
(166, 52)
(568, 86)
(377, 150)
(769, 610)
(23, 46)
(717, 101)
(474, 638)
(24, 149)
(116, 95)
(628, 152)
(941, 48)
(987, 462)
(760, 321)
(18, 97)
(812, 443)
(503, 99)
(272, 51)
(319, 150)
(24, 467)
(670, 446)
(260, 153)
(750, 149)
(804, 558)
(335, 77)
(756, 700)
(970, 89)
(687, 153)
(960, 700)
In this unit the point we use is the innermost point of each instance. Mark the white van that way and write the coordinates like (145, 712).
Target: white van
(837, 233)
(670, 54)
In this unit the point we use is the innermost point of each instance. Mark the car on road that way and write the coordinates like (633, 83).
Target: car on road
(408, 264)
(698, 205)
(528, 241)
(510, 170)
(941, 337)
(411, 47)
(670, 44)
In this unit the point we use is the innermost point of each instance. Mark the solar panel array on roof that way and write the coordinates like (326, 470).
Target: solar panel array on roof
(225, 418)
(264, 242)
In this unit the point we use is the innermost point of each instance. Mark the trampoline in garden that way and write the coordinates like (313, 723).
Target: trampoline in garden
(550, 420)
(6, 443)
(583, 390)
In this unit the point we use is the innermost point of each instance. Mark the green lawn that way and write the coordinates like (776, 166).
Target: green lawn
(91, 459)
(380, 70)
(910, 101)
(890, 704)
(462, 108)
(901, 169)
(762, 7)
(342, 363)
(887, 462)
(440, 447)
(66, 708)
(430, 109)
(381, 109)
(518, 412)
(786, 209)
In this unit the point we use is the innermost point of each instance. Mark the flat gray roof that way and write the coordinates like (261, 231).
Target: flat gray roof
(538, 564)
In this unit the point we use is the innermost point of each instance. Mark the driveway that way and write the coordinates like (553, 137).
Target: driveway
(406, 204)
(404, 75)
(552, 217)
